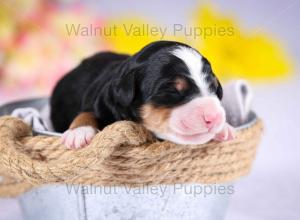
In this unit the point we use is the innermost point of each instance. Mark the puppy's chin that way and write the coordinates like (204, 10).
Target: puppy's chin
(193, 139)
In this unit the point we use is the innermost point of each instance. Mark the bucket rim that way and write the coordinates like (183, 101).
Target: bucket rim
(6, 109)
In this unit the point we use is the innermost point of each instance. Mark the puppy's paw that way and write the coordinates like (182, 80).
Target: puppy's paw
(78, 137)
(226, 134)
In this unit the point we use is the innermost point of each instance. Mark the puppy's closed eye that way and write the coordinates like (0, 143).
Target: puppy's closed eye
(180, 84)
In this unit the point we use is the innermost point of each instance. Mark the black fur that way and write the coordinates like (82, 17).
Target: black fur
(115, 86)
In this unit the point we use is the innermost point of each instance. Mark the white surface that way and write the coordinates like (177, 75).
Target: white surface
(10, 209)
(271, 191)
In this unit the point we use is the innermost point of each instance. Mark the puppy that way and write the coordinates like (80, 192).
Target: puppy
(167, 86)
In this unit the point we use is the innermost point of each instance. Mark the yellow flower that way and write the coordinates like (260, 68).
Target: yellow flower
(235, 53)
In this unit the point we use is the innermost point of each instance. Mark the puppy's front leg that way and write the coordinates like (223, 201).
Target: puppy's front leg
(81, 132)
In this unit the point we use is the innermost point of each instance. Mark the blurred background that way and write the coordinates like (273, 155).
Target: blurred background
(255, 40)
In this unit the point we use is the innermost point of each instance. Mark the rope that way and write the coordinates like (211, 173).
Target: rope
(123, 153)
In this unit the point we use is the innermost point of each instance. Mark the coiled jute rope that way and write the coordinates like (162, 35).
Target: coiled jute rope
(124, 153)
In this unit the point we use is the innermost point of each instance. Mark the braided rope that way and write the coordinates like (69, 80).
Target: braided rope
(124, 153)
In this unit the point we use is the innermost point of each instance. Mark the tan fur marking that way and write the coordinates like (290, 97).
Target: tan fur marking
(84, 119)
(181, 84)
(155, 119)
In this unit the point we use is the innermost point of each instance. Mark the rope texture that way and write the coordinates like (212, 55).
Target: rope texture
(123, 153)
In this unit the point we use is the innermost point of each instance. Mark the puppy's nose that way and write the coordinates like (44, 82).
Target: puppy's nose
(211, 119)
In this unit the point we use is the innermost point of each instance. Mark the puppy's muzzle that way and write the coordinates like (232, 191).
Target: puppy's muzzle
(201, 115)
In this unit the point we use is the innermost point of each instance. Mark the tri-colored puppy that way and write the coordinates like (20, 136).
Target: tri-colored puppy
(168, 87)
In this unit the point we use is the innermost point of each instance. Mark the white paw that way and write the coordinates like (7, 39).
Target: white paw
(78, 137)
(226, 134)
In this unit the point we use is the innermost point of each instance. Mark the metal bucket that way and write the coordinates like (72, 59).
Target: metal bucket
(179, 201)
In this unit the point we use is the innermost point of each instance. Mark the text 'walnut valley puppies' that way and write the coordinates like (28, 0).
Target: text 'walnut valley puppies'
(168, 87)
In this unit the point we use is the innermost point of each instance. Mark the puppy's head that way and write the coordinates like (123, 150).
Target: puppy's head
(172, 91)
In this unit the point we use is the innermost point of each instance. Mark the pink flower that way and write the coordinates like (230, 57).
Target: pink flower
(42, 51)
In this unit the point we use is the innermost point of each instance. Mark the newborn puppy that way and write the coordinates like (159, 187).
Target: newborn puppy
(168, 87)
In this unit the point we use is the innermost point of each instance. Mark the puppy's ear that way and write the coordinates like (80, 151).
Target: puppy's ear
(219, 91)
(207, 69)
(124, 89)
